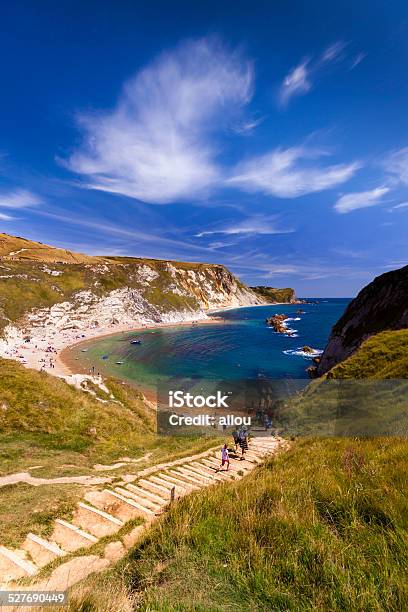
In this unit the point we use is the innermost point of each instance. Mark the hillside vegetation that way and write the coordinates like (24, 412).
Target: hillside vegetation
(273, 295)
(51, 429)
(365, 395)
(380, 306)
(384, 355)
(322, 527)
(37, 276)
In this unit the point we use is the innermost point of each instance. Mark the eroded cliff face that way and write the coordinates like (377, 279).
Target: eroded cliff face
(382, 305)
(39, 289)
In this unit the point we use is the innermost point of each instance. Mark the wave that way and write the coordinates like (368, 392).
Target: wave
(301, 353)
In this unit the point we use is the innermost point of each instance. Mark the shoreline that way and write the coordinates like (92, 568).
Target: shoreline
(44, 348)
(65, 359)
(209, 320)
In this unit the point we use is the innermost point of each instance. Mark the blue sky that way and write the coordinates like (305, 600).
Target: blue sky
(268, 136)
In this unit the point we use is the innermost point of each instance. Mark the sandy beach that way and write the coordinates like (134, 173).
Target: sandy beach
(46, 349)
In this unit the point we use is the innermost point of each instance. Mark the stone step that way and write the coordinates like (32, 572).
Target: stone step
(200, 478)
(214, 465)
(154, 487)
(201, 469)
(95, 521)
(235, 466)
(167, 480)
(181, 486)
(138, 497)
(211, 468)
(259, 457)
(105, 501)
(138, 507)
(220, 474)
(252, 458)
(157, 499)
(195, 480)
(41, 551)
(261, 448)
(71, 537)
(260, 452)
(263, 443)
(238, 456)
(13, 564)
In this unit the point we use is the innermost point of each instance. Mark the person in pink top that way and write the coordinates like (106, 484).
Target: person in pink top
(225, 456)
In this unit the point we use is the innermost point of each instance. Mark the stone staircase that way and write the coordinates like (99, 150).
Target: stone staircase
(103, 512)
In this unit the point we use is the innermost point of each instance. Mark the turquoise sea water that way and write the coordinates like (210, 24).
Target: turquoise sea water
(243, 347)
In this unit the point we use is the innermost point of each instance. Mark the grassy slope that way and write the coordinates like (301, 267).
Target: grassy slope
(323, 527)
(45, 422)
(384, 355)
(272, 294)
(365, 395)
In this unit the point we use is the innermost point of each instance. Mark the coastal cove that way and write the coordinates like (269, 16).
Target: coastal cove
(237, 345)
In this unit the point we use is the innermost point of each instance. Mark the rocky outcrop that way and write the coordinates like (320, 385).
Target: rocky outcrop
(382, 305)
(277, 322)
(272, 295)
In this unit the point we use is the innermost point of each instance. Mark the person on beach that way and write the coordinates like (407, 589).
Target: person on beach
(225, 456)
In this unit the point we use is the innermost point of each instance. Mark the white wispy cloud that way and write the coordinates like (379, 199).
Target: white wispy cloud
(357, 60)
(257, 224)
(4, 217)
(279, 270)
(284, 173)
(156, 144)
(302, 77)
(402, 206)
(396, 164)
(360, 199)
(296, 83)
(247, 126)
(334, 51)
(19, 198)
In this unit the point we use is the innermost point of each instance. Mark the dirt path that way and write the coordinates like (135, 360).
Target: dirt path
(36, 482)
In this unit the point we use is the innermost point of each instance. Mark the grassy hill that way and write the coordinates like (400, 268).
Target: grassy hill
(384, 355)
(322, 527)
(365, 395)
(382, 305)
(15, 248)
(51, 429)
(274, 295)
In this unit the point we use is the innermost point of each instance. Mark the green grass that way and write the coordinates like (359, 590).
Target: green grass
(50, 426)
(272, 294)
(321, 527)
(384, 355)
(24, 508)
(365, 395)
